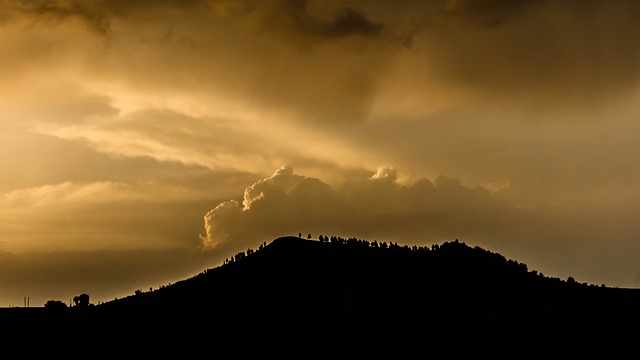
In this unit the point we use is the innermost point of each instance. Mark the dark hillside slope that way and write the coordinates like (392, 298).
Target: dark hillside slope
(323, 293)
(300, 282)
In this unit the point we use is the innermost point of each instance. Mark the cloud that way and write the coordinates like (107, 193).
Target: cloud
(62, 193)
(349, 22)
(487, 12)
(286, 203)
(100, 215)
(88, 13)
(216, 143)
(386, 174)
(281, 195)
(282, 180)
(250, 61)
(550, 55)
(284, 55)
(293, 17)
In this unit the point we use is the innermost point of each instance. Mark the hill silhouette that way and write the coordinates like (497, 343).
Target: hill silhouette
(347, 289)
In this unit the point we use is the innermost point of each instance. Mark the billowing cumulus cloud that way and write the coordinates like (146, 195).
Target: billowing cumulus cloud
(286, 204)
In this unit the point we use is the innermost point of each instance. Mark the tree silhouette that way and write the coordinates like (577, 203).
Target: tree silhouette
(81, 300)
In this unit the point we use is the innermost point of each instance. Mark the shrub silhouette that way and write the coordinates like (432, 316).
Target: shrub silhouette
(55, 305)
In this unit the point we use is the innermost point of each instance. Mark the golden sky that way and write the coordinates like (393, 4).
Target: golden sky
(144, 141)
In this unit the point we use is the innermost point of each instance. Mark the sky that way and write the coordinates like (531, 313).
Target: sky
(142, 142)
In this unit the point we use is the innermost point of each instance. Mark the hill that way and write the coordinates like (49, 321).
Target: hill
(351, 288)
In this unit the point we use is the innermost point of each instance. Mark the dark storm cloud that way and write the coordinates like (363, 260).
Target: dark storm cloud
(91, 14)
(294, 16)
(288, 15)
(350, 21)
(559, 55)
(548, 55)
(488, 12)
